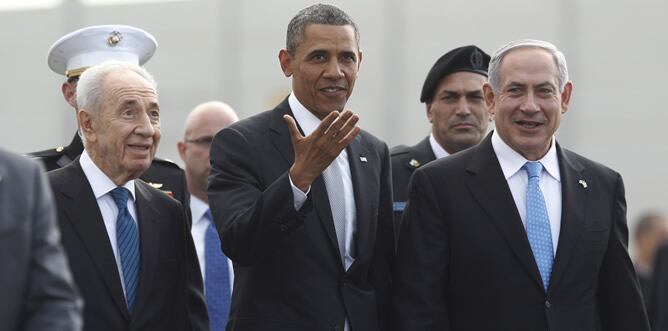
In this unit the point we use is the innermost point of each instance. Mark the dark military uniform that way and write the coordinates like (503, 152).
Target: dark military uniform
(405, 160)
(163, 174)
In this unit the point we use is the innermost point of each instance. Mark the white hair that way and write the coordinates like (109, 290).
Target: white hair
(89, 87)
(495, 62)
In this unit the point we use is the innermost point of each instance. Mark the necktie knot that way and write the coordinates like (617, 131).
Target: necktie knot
(533, 168)
(208, 215)
(120, 195)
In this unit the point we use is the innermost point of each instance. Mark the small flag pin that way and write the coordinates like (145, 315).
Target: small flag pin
(583, 183)
(363, 159)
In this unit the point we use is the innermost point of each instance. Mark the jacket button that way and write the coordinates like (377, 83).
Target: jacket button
(548, 305)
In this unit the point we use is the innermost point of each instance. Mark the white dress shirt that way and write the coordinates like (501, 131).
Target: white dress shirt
(550, 182)
(200, 223)
(438, 150)
(102, 186)
(309, 122)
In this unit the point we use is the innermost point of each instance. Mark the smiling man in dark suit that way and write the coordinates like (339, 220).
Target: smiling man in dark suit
(302, 197)
(128, 243)
(525, 235)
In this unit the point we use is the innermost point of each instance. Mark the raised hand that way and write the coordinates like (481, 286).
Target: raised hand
(315, 152)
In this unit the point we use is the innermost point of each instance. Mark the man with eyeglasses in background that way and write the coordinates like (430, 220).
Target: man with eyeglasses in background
(201, 125)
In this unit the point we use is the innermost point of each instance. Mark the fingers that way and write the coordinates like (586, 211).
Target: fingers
(347, 127)
(326, 123)
(295, 135)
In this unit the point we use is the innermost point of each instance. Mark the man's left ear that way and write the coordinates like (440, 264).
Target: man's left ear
(566, 96)
(359, 59)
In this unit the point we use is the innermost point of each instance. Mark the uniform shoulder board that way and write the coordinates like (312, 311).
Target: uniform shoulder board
(399, 150)
(46, 153)
(166, 162)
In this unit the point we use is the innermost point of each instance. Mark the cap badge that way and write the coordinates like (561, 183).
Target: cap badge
(414, 163)
(114, 38)
(476, 59)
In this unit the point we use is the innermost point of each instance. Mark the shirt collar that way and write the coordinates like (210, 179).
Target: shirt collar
(306, 120)
(511, 161)
(438, 150)
(99, 181)
(197, 209)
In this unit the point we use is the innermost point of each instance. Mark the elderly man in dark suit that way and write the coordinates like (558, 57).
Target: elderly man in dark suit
(75, 52)
(302, 197)
(37, 289)
(128, 244)
(452, 93)
(526, 235)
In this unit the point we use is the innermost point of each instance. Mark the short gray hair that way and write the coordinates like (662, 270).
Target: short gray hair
(316, 14)
(89, 88)
(495, 63)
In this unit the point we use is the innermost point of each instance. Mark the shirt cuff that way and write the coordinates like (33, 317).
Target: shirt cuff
(299, 197)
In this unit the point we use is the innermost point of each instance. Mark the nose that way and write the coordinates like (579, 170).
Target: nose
(529, 105)
(463, 107)
(145, 127)
(333, 70)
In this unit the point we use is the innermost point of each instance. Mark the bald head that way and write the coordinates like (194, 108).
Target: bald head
(215, 115)
(202, 124)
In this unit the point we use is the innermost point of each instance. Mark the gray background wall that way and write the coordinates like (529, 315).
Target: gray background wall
(227, 50)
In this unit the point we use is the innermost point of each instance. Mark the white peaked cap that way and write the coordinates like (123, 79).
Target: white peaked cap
(72, 54)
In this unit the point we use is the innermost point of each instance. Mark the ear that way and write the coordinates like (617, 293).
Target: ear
(430, 114)
(286, 62)
(181, 146)
(86, 125)
(566, 96)
(69, 91)
(359, 60)
(489, 99)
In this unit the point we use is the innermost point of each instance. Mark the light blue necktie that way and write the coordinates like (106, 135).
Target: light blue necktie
(216, 278)
(127, 239)
(538, 223)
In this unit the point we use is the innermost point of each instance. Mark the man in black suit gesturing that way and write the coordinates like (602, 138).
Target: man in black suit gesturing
(525, 235)
(302, 197)
(128, 243)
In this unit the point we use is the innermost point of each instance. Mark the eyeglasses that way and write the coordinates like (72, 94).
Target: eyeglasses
(202, 141)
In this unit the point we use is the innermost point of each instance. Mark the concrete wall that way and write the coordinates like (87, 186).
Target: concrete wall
(228, 50)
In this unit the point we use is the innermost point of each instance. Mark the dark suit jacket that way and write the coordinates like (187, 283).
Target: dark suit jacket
(163, 174)
(170, 286)
(658, 298)
(464, 260)
(36, 285)
(405, 160)
(288, 273)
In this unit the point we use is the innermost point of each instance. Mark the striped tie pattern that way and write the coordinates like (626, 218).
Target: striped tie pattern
(538, 223)
(127, 239)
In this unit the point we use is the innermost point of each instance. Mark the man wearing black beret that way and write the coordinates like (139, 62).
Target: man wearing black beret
(456, 110)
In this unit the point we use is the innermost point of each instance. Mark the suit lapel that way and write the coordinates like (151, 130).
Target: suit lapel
(83, 213)
(280, 137)
(149, 238)
(490, 189)
(574, 203)
(361, 173)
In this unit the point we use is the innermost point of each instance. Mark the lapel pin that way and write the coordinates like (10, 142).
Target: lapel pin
(363, 159)
(583, 183)
(155, 185)
(414, 163)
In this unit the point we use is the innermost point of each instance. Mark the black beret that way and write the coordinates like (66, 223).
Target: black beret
(467, 58)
